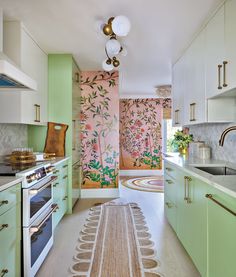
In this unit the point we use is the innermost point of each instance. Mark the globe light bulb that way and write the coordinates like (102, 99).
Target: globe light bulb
(121, 25)
(107, 67)
(113, 47)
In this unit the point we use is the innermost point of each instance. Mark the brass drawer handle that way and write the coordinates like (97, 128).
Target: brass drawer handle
(3, 226)
(56, 171)
(37, 113)
(224, 74)
(66, 165)
(210, 196)
(169, 205)
(219, 76)
(169, 181)
(169, 169)
(65, 198)
(187, 181)
(192, 112)
(56, 184)
(4, 202)
(65, 176)
(3, 272)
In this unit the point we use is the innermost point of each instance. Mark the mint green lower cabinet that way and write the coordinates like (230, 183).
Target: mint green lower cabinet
(60, 192)
(192, 220)
(10, 236)
(221, 235)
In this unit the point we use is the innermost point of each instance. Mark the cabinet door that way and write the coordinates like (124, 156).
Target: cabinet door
(34, 62)
(221, 236)
(194, 94)
(177, 93)
(192, 220)
(230, 44)
(215, 54)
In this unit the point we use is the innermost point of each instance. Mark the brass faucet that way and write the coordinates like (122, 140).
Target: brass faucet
(226, 131)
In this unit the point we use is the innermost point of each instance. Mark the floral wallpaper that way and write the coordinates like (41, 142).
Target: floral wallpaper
(141, 132)
(99, 129)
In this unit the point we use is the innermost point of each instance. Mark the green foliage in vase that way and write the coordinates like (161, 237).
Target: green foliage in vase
(182, 139)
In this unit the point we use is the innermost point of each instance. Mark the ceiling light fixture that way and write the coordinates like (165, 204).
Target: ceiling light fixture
(118, 26)
(163, 91)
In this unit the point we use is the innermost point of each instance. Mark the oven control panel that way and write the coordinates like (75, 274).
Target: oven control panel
(37, 174)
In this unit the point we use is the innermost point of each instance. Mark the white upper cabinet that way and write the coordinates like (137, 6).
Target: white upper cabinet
(30, 107)
(215, 52)
(178, 75)
(229, 82)
(204, 78)
(195, 105)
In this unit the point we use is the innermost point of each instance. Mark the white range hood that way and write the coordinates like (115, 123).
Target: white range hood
(11, 76)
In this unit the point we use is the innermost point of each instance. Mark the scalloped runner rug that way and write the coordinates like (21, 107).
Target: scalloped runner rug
(115, 242)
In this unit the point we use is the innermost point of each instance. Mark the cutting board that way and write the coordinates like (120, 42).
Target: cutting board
(56, 138)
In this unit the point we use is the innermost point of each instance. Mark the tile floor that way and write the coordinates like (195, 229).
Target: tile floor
(174, 261)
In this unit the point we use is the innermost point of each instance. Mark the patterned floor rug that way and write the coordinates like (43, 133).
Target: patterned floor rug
(151, 184)
(115, 242)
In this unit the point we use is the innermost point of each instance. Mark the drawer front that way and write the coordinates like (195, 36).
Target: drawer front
(170, 212)
(10, 236)
(170, 188)
(170, 170)
(9, 198)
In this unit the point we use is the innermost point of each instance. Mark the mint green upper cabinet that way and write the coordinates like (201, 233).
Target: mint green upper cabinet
(230, 44)
(192, 220)
(215, 52)
(221, 235)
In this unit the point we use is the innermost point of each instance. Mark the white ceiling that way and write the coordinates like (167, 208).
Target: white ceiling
(160, 31)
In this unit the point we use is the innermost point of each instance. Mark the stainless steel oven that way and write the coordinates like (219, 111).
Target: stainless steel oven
(38, 239)
(36, 199)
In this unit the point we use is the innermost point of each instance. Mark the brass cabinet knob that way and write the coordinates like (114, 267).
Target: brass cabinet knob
(4, 202)
(3, 272)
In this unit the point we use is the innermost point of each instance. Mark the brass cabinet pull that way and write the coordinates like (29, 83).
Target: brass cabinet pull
(192, 111)
(169, 181)
(219, 76)
(4, 202)
(188, 190)
(224, 74)
(185, 188)
(168, 169)
(176, 116)
(56, 184)
(3, 272)
(37, 113)
(65, 198)
(56, 171)
(66, 165)
(3, 226)
(65, 176)
(169, 205)
(210, 196)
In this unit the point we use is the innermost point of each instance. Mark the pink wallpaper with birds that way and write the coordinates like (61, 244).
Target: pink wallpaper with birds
(141, 133)
(99, 129)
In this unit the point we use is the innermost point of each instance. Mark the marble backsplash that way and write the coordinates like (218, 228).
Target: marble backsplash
(12, 136)
(210, 133)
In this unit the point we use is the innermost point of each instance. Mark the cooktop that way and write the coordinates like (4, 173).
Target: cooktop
(7, 169)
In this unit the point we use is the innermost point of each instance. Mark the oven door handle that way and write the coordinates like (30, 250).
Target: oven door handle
(36, 191)
(36, 228)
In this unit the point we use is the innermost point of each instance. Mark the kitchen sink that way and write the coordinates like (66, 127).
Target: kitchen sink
(217, 170)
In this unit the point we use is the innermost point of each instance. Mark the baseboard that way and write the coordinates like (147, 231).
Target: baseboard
(100, 193)
(141, 172)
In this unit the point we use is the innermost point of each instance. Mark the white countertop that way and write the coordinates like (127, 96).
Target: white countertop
(58, 160)
(6, 182)
(226, 184)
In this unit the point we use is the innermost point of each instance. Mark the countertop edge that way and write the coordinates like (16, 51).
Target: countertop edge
(207, 179)
(7, 184)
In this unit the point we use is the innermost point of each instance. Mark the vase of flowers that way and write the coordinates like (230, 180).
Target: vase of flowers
(182, 140)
